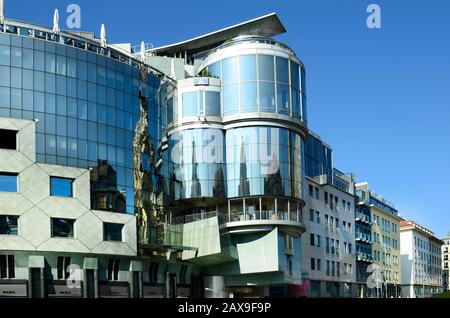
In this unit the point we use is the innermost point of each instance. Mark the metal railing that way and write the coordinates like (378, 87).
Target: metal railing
(238, 217)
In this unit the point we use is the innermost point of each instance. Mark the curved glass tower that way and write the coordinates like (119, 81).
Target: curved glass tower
(236, 130)
(237, 141)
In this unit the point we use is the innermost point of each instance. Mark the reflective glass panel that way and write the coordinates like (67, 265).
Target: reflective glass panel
(8, 225)
(190, 104)
(230, 99)
(212, 103)
(266, 68)
(62, 228)
(247, 64)
(267, 96)
(8, 182)
(230, 70)
(61, 187)
(113, 232)
(282, 70)
(248, 97)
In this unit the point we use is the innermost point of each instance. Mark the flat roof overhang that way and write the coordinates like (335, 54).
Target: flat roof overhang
(268, 25)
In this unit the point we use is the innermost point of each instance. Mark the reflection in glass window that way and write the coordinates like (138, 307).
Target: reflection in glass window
(267, 97)
(247, 64)
(303, 81)
(230, 99)
(27, 58)
(212, 103)
(8, 225)
(283, 99)
(62, 228)
(296, 103)
(8, 182)
(61, 187)
(266, 68)
(190, 104)
(230, 70)
(5, 55)
(216, 69)
(295, 75)
(304, 108)
(248, 97)
(282, 70)
(112, 232)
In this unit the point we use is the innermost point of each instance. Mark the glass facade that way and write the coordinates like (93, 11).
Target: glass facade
(86, 105)
(261, 83)
(241, 162)
(318, 159)
(249, 171)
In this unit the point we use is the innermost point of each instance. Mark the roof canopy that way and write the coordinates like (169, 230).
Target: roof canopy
(268, 25)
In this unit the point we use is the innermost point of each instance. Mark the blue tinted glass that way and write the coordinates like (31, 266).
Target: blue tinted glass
(50, 63)
(212, 103)
(39, 81)
(230, 70)
(190, 104)
(27, 79)
(283, 99)
(282, 70)
(296, 103)
(295, 75)
(82, 70)
(113, 232)
(5, 78)
(230, 99)
(39, 102)
(60, 187)
(101, 114)
(63, 107)
(5, 55)
(16, 56)
(247, 64)
(92, 72)
(215, 69)
(50, 84)
(248, 98)
(61, 66)
(72, 67)
(8, 182)
(266, 68)
(267, 97)
(61, 85)
(303, 81)
(304, 108)
(39, 61)
(50, 103)
(27, 58)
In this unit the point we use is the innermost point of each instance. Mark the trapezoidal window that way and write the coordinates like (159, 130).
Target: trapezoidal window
(8, 139)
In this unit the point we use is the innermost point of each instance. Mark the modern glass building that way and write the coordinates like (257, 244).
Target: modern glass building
(175, 171)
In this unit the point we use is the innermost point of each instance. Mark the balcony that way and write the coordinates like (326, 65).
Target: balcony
(361, 218)
(364, 257)
(363, 238)
(250, 221)
(240, 222)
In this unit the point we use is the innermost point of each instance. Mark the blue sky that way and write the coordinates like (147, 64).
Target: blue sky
(380, 98)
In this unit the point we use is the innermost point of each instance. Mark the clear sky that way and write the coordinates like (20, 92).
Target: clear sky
(379, 97)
